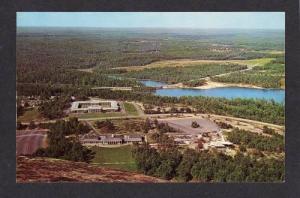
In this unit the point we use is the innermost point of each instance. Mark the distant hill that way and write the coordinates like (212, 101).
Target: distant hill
(54, 170)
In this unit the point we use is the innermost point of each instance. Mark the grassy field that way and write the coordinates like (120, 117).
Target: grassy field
(130, 109)
(98, 115)
(191, 62)
(118, 158)
(254, 62)
(30, 115)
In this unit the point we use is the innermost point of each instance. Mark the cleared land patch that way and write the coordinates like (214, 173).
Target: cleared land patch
(29, 115)
(27, 142)
(117, 158)
(98, 115)
(191, 62)
(55, 170)
(184, 125)
(130, 109)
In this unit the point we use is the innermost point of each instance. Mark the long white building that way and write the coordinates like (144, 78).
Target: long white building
(93, 106)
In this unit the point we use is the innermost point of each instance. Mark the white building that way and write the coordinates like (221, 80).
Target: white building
(111, 139)
(93, 106)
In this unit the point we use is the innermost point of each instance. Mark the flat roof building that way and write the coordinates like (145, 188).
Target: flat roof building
(111, 139)
(93, 106)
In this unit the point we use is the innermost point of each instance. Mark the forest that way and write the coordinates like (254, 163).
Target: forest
(173, 75)
(270, 75)
(107, 48)
(275, 143)
(54, 55)
(73, 77)
(168, 163)
(59, 146)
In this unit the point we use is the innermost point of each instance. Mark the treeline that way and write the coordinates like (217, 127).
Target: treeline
(55, 108)
(70, 77)
(270, 75)
(102, 48)
(160, 126)
(183, 74)
(194, 83)
(73, 126)
(169, 163)
(105, 126)
(254, 109)
(275, 143)
(149, 110)
(66, 148)
(254, 78)
(224, 125)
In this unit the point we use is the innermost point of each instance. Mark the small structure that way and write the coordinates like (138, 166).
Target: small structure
(220, 144)
(94, 106)
(133, 138)
(111, 139)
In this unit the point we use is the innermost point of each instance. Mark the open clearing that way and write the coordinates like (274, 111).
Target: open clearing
(30, 115)
(56, 170)
(98, 115)
(28, 141)
(117, 158)
(190, 62)
(130, 109)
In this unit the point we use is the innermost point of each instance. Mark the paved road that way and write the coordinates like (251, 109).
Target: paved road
(28, 141)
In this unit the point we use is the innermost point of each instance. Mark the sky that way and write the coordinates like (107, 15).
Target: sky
(240, 20)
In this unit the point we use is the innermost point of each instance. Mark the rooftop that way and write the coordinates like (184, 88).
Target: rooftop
(94, 104)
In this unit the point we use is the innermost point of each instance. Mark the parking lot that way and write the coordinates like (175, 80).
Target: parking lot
(184, 125)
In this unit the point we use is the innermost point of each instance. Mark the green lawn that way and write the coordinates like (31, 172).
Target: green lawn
(117, 158)
(255, 62)
(130, 109)
(97, 115)
(29, 115)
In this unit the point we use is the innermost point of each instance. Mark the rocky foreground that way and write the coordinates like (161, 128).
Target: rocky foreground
(54, 170)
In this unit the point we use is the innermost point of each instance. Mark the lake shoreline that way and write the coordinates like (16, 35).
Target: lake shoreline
(211, 85)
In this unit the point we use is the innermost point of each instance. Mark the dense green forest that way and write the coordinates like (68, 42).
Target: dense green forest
(98, 47)
(59, 146)
(52, 54)
(73, 77)
(169, 163)
(262, 110)
(270, 75)
(275, 143)
(183, 74)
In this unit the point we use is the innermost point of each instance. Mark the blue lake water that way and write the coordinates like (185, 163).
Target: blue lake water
(151, 83)
(278, 95)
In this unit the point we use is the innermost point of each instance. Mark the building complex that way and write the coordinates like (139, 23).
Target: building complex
(94, 106)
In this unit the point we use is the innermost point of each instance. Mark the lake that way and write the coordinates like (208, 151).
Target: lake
(151, 83)
(277, 95)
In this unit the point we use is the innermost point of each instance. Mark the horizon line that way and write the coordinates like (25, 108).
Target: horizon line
(148, 27)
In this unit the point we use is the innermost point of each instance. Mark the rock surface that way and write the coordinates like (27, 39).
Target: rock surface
(55, 170)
